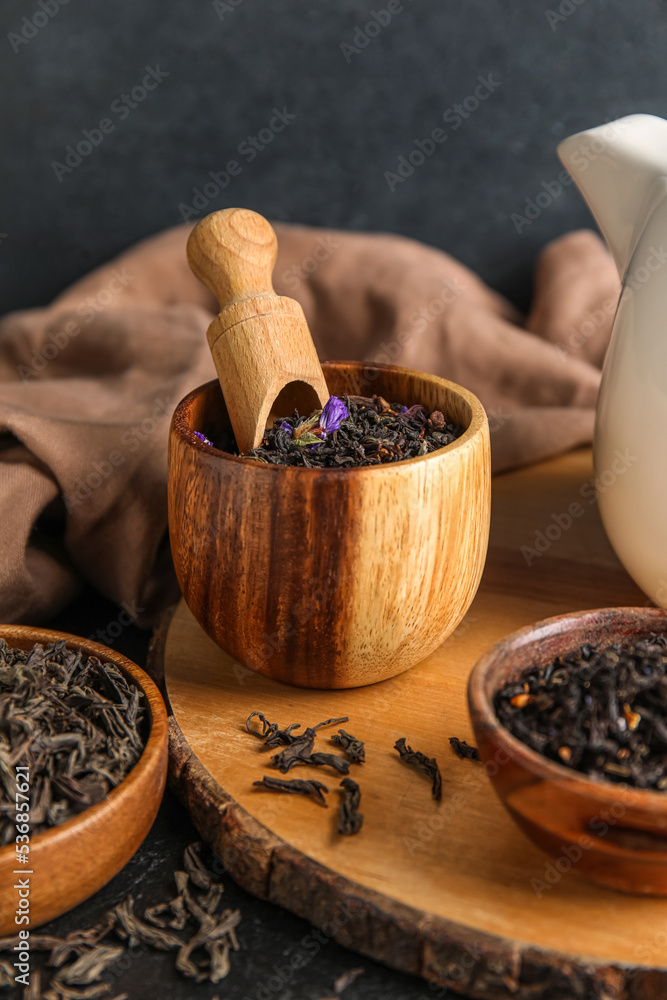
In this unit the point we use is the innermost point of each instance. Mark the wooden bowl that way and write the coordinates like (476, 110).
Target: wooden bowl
(611, 834)
(331, 578)
(70, 862)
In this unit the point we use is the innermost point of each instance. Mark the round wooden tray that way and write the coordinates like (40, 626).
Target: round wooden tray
(455, 892)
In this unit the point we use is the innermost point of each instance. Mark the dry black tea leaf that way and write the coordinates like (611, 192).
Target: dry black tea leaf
(427, 766)
(295, 786)
(351, 431)
(339, 764)
(330, 722)
(137, 931)
(346, 979)
(598, 710)
(297, 752)
(350, 820)
(463, 749)
(174, 908)
(7, 973)
(353, 748)
(76, 722)
(89, 967)
(216, 935)
(195, 868)
(270, 732)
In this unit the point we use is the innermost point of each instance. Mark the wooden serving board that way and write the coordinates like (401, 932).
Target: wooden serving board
(442, 891)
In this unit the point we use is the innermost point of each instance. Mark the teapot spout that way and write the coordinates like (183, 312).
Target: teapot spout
(618, 167)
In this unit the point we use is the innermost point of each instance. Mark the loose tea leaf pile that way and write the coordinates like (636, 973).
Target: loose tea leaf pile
(602, 711)
(352, 431)
(81, 960)
(76, 722)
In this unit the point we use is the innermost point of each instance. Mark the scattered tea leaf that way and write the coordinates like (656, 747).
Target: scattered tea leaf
(463, 749)
(346, 979)
(196, 903)
(353, 748)
(88, 968)
(350, 820)
(138, 932)
(295, 786)
(195, 867)
(339, 764)
(297, 752)
(427, 765)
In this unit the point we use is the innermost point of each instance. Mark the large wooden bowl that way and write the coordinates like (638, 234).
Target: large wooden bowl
(331, 578)
(608, 833)
(70, 862)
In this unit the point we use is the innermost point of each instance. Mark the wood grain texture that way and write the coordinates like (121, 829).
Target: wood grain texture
(71, 862)
(618, 835)
(261, 345)
(443, 892)
(325, 577)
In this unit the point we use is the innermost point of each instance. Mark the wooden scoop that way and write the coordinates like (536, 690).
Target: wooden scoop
(261, 345)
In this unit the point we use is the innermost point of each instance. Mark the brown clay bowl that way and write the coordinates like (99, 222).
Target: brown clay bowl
(608, 833)
(331, 578)
(72, 861)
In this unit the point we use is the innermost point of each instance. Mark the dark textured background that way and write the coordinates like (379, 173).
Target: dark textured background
(353, 120)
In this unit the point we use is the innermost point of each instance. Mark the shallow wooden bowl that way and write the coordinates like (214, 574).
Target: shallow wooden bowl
(331, 578)
(608, 833)
(68, 863)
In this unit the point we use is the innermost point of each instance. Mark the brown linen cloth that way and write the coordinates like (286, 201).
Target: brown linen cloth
(88, 384)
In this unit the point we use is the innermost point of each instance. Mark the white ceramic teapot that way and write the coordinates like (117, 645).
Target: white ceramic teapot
(621, 170)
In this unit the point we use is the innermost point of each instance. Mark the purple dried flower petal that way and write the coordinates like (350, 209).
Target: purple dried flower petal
(414, 410)
(203, 438)
(334, 413)
(284, 426)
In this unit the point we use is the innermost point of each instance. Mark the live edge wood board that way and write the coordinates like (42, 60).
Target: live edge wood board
(444, 892)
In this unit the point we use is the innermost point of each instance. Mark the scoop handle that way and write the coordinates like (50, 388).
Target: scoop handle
(233, 252)
(260, 341)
